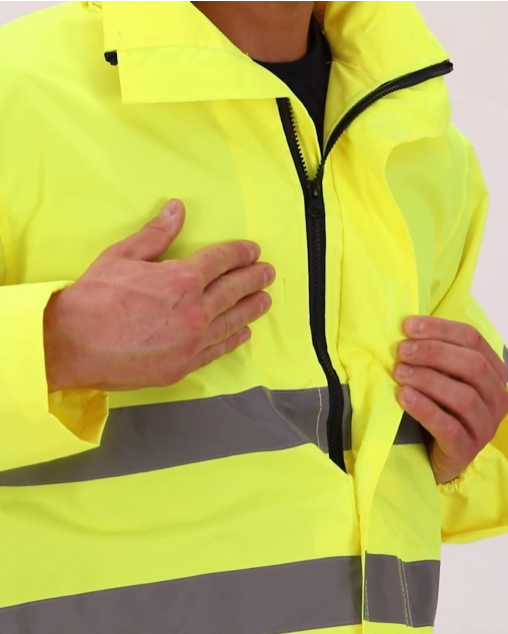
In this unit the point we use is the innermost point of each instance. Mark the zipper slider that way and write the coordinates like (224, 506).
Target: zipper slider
(314, 189)
(315, 206)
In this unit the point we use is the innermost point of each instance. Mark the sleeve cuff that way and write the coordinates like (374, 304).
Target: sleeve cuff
(458, 484)
(34, 426)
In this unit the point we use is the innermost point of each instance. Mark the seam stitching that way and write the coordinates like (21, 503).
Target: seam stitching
(319, 418)
(366, 607)
(405, 591)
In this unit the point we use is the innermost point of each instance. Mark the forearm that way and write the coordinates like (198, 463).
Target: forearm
(34, 426)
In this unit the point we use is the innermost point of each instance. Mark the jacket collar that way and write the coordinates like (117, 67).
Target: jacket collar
(170, 52)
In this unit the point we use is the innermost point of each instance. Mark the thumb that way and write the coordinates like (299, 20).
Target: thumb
(156, 236)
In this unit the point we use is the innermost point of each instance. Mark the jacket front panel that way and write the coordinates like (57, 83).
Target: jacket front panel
(215, 499)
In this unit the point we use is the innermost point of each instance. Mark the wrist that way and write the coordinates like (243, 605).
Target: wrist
(59, 351)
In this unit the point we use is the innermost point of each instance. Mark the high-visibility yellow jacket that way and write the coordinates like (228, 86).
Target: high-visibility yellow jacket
(212, 506)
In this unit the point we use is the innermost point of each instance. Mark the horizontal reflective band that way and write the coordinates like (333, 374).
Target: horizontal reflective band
(400, 592)
(347, 420)
(151, 437)
(308, 595)
(410, 431)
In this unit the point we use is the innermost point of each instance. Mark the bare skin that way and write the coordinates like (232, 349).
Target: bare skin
(454, 384)
(130, 323)
(266, 31)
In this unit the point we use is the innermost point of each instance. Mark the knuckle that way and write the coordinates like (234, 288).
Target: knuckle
(153, 235)
(229, 324)
(228, 291)
(432, 349)
(219, 255)
(240, 251)
(424, 351)
(472, 336)
(428, 409)
(253, 309)
(469, 400)
(452, 430)
(197, 319)
(118, 250)
(211, 354)
(189, 279)
(156, 228)
(478, 364)
(233, 343)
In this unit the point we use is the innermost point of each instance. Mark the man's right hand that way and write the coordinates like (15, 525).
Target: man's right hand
(130, 322)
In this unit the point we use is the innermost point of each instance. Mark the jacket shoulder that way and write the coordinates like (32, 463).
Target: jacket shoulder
(49, 44)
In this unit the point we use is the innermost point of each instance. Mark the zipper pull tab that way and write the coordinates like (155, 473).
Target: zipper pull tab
(315, 207)
(314, 189)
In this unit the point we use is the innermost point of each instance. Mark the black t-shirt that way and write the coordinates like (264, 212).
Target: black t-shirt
(308, 77)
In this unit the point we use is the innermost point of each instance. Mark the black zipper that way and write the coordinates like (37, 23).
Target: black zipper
(316, 234)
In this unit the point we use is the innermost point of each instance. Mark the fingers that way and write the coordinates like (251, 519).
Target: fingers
(451, 436)
(456, 398)
(455, 333)
(464, 364)
(230, 330)
(214, 352)
(155, 237)
(229, 289)
(216, 260)
(243, 313)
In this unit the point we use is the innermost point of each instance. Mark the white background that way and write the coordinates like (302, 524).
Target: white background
(474, 591)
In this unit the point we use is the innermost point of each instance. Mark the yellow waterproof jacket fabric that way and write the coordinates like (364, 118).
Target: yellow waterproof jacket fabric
(212, 506)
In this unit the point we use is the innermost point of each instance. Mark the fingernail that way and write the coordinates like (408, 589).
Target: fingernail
(255, 252)
(416, 325)
(171, 208)
(407, 397)
(402, 371)
(266, 302)
(407, 349)
(269, 276)
(245, 335)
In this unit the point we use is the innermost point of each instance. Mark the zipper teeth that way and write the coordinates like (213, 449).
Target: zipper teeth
(317, 298)
(297, 139)
(318, 328)
(406, 81)
(322, 350)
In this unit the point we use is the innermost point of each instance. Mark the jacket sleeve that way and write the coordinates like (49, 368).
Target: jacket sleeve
(475, 505)
(35, 426)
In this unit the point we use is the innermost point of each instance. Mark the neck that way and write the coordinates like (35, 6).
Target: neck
(266, 31)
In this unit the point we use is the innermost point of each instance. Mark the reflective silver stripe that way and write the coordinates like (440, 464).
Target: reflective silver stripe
(297, 597)
(410, 431)
(505, 357)
(151, 437)
(401, 592)
(288, 598)
(347, 419)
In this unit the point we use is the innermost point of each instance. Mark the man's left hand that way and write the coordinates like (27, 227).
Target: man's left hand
(454, 385)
